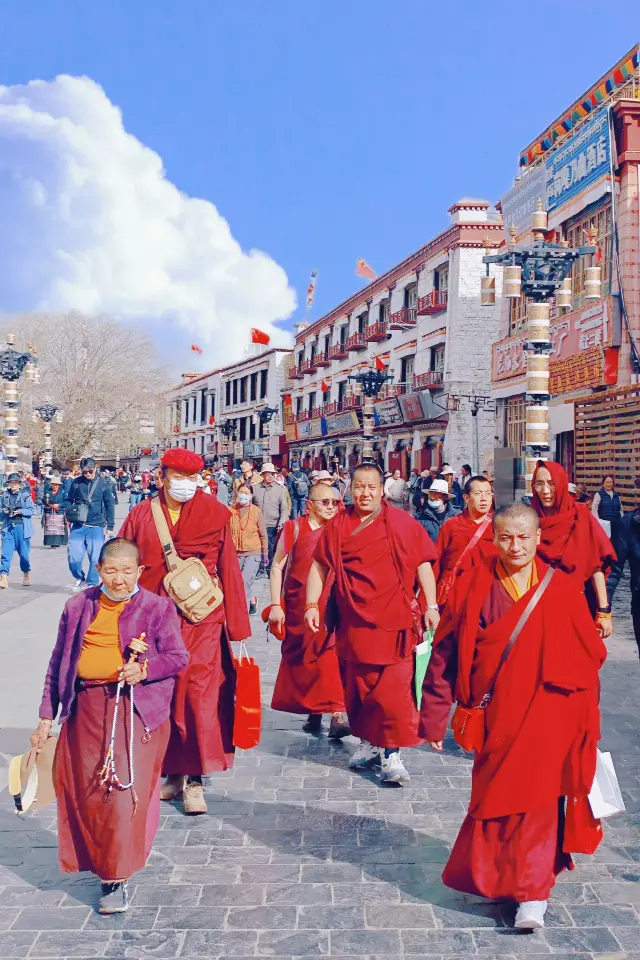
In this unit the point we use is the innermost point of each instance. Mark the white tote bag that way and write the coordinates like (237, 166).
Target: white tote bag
(605, 798)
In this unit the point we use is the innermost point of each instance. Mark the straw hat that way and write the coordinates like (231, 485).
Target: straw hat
(31, 778)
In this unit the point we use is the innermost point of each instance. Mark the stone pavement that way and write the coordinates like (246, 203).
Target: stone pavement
(299, 857)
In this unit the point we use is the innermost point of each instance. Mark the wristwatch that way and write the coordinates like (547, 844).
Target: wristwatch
(604, 609)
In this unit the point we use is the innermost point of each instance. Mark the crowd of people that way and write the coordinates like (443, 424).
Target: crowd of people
(362, 571)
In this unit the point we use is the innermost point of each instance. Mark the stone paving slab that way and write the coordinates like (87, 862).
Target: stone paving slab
(300, 857)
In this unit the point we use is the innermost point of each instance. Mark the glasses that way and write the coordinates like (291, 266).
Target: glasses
(328, 502)
(541, 484)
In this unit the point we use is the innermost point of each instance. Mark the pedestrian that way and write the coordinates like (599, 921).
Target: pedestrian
(224, 491)
(436, 507)
(281, 481)
(467, 539)
(272, 500)
(379, 556)
(67, 480)
(629, 551)
(465, 475)
(299, 486)
(110, 480)
(343, 486)
(53, 521)
(201, 739)
(249, 535)
(539, 726)
(395, 489)
(110, 839)
(135, 491)
(247, 475)
(321, 476)
(455, 490)
(89, 509)
(17, 508)
(308, 678)
(572, 540)
(41, 485)
(607, 507)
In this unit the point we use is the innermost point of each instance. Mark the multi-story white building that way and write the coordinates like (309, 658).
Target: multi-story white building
(423, 319)
(203, 404)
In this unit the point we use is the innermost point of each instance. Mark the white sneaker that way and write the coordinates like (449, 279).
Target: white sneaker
(393, 769)
(530, 915)
(79, 585)
(365, 757)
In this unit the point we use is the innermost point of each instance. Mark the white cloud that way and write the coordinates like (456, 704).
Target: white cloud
(89, 221)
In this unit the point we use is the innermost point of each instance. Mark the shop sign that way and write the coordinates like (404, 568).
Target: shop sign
(583, 161)
(508, 359)
(344, 422)
(252, 448)
(594, 367)
(238, 450)
(315, 428)
(291, 432)
(210, 448)
(387, 412)
(418, 406)
(520, 202)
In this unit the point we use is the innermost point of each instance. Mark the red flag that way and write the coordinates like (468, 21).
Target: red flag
(380, 364)
(212, 420)
(258, 336)
(364, 270)
(324, 386)
(196, 348)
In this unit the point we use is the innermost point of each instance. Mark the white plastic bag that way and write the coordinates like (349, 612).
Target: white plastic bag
(605, 798)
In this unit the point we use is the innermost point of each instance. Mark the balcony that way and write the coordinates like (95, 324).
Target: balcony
(432, 380)
(352, 403)
(338, 351)
(302, 416)
(392, 390)
(315, 413)
(305, 367)
(402, 319)
(313, 364)
(356, 342)
(434, 302)
(295, 374)
(333, 407)
(322, 360)
(376, 332)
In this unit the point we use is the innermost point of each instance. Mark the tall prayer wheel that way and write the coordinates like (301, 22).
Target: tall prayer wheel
(487, 291)
(540, 219)
(512, 283)
(564, 296)
(538, 374)
(592, 283)
(538, 322)
(530, 464)
(537, 425)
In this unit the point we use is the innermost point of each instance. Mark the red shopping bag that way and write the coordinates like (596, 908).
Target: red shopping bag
(582, 832)
(248, 713)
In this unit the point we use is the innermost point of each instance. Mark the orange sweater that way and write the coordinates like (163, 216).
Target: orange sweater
(101, 656)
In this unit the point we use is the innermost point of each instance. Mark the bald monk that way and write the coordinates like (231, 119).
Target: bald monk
(572, 539)
(379, 557)
(202, 714)
(541, 725)
(466, 539)
(308, 679)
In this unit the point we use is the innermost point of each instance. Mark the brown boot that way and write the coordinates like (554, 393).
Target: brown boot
(26, 580)
(4, 581)
(339, 727)
(172, 788)
(194, 801)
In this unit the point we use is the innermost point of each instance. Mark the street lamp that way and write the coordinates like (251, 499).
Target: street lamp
(13, 364)
(227, 428)
(539, 270)
(264, 416)
(369, 382)
(47, 412)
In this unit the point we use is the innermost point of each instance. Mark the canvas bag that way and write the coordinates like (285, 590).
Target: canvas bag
(189, 584)
(77, 511)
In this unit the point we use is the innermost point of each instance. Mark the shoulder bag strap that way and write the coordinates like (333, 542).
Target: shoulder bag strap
(519, 627)
(287, 566)
(92, 489)
(474, 539)
(168, 549)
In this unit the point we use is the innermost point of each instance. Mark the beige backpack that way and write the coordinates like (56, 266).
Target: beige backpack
(189, 584)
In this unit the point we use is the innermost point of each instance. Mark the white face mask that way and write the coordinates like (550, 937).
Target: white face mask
(436, 505)
(244, 499)
(182, 489)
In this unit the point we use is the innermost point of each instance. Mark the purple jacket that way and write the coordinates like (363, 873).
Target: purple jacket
(167, 655)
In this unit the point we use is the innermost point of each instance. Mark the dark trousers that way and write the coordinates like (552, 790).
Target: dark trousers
(272, 536)
(298, 506)
(635, 613)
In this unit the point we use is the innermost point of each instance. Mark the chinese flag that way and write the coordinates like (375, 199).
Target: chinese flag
(380, 364)
(212, 420)
(364, 270)
(258, 336)
(324, 386)
(196, 348)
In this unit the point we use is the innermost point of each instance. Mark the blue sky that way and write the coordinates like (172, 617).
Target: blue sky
(330, 130)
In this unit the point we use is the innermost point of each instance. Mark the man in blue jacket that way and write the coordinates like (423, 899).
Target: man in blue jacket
(86, 537)
(628, 550)
(16, 510)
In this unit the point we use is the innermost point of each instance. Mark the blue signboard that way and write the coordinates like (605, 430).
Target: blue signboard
(583, 161)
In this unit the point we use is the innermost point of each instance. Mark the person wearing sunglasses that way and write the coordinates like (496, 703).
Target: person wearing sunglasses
(308, 679)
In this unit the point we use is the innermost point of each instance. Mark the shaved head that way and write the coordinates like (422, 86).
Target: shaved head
(366, 468)
(516, 511)
(119, 547)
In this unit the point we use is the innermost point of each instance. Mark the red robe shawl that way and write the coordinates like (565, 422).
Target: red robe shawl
(203, 703)
(571, 538)
(455, 534)
(543, 720)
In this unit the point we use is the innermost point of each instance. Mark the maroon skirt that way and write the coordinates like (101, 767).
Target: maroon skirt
(310, 687)
(95, 833)
(380, 702)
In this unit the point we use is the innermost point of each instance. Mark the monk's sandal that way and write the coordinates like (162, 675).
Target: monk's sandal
(115, 898)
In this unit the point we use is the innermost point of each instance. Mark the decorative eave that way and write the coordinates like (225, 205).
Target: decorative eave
(487, 234)
(627, 122)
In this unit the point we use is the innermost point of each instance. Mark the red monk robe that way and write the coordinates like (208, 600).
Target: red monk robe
(375, 577)
(308, 679)
(571, 537)
(201, 739)
(543, 726)
(453, 539)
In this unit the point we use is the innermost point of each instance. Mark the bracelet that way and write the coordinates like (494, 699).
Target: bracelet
(433, 606)
(601, 616)
(278, 605)
(311, 606)
(42, 720)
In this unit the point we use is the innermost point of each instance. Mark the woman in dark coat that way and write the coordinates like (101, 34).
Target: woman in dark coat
(53, 521)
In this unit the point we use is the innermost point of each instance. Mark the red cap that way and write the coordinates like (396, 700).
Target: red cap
(186, 461)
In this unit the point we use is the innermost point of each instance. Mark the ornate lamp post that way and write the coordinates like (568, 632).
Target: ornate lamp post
(264, 416)
(369, 383)
(13, 364)
(227, 429)
(47, 412)
(539, 270)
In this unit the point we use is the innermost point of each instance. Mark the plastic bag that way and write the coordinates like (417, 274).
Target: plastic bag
(605, 798)
(248, 707)
(423, 656)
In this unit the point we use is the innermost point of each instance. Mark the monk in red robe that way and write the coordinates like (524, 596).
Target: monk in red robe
(540, 724)
(201, 739)
(379, 556)
(572, 539)
(308, 679)
(466, 539)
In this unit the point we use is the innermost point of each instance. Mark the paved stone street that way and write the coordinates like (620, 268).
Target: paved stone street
(299, 857)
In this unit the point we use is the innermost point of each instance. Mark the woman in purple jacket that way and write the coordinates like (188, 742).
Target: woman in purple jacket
(106, 771)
